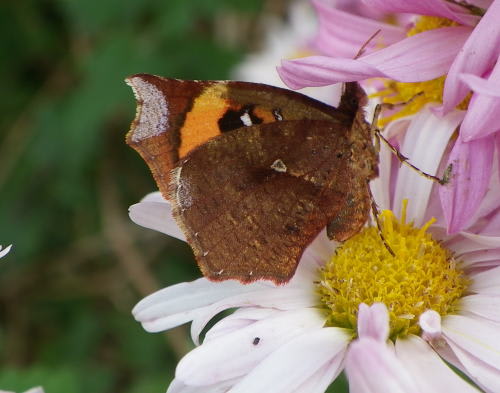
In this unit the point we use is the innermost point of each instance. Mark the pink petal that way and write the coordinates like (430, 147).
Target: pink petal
(466, 242)
(235, 354)
(436, 50)
(372, 367)
(296, 362)
(472, 164)
(481, 85)
(342, 34)
(480, 258)
(154, 212)
(497, 145)
(425, 7)
(373, 321)
(323, 71)
(480, 3)
(482, 115)
(477, 56)
(431, 374)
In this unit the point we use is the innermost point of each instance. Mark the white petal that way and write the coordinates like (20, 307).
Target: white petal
(484, 306)
(155, 196)
(235, 354)
(431, 374)
(380, 186)
(322, 247)
(320, 381)
(155, 213)
(371, 366)
(295, 362)
(430, 322)
(278, 298)
(241, 318)
(315, 255)
(484, 375)
(424, 145)
(178, 386)
(174, 305)
(5, 251)
(487, 282)
(477, 337)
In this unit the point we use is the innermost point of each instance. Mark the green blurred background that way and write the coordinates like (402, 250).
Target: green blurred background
(78, 265)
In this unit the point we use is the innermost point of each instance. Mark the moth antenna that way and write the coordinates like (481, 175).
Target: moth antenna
(388, 105)
(363, 47)
(376, 214)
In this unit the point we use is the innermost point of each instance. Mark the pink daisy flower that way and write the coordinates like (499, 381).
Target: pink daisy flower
(442, 52)
(389, 322)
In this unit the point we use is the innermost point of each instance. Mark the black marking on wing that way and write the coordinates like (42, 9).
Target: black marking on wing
(232, 118)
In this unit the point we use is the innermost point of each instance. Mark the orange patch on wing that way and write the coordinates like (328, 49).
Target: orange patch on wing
(265, 114)
(201, 122)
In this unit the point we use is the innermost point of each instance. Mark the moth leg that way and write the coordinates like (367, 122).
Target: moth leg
(404, 160)
(374, 131)
(376, 214)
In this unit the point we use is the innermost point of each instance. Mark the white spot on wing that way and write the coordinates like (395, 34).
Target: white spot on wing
(152, 109)
(246, 120)
(279, 166)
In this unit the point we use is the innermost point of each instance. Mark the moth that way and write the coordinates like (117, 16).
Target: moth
(254, 172)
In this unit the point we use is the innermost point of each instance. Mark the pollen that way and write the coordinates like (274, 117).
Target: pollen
(409, 98)
(422, 275)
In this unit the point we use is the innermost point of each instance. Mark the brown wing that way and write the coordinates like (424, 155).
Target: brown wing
(175, 116)
(250, 201)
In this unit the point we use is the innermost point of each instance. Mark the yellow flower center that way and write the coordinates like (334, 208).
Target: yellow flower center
(413, 96)
(421, 276)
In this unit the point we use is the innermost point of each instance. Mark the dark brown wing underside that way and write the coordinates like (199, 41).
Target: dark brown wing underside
(250, 201)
